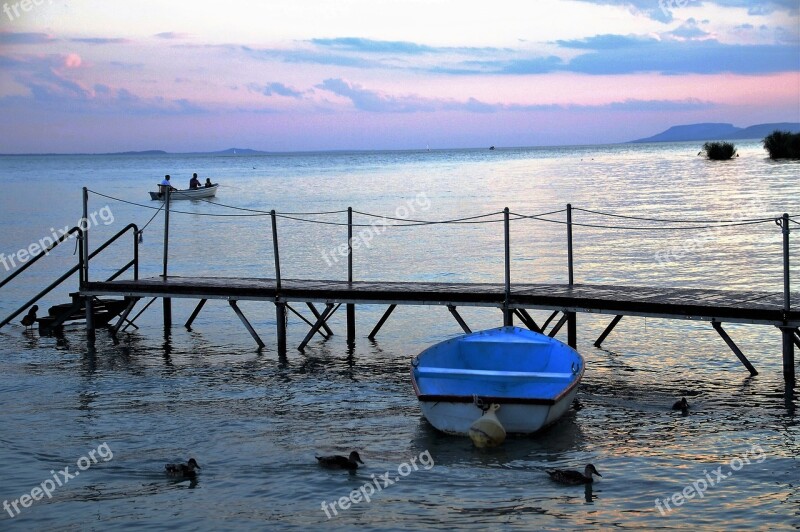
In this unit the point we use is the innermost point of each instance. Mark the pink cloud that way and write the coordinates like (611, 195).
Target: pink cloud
(72, 61)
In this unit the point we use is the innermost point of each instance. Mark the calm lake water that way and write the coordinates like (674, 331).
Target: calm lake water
(254, 420)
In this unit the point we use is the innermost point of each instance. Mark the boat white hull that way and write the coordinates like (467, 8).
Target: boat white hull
(456, 418)
(188, 194)
(534, 379)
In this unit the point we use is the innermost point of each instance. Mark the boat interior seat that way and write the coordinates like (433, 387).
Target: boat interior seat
(507, 355)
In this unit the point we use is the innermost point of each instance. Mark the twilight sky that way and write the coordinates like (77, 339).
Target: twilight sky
(288, 75)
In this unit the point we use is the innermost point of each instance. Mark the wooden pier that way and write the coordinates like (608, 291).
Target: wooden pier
(714, 306)
(514, 300)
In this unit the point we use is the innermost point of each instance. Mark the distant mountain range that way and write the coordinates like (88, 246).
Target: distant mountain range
(229, 151)
(233, 151)
(712, 131)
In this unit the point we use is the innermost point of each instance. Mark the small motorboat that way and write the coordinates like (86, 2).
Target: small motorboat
(534, 379)
(187, 194)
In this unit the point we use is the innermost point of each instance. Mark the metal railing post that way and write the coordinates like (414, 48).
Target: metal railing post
(507, 317)
(787, 304)
(570, 262)
(572, 322)
(280, 307)
(88, 301)
(786, 332)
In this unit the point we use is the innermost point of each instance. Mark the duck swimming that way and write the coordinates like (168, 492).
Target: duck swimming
(30, 317)
(183, 470)
(567, 476)
(681, 405)
(341, 462)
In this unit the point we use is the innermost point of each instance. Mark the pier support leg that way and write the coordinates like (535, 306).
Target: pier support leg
(124, 316)
(572, 330)
(527, 320)
(90, 332)
(738, 352)
(195, 312)
(789, 340)
(459, 319)
(351, 324)
(132, 322)
(316, 314)
(329, 310)
(321, 333)
(797, 338)
(549, 319)
(246, 323)
(280, 318)
(167, 314)
(602, 337)
(381, 322)
(557, 326)
(508, 317)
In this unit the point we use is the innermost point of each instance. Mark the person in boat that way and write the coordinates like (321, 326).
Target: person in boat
(162, 187)
(194, 182)
(209, 183)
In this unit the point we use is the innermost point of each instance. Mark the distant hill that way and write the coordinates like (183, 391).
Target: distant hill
(146, 152)
(236, 151)
(713, 131)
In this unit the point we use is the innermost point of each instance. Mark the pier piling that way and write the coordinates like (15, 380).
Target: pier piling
(167, 302)
(351, 308)
(280, 306)
(572, 320)
(508, 316)
(786, 331)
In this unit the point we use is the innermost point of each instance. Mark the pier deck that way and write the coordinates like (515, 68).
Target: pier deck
(672, 303)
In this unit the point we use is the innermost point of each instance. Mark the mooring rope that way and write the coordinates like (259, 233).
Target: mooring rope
(153, 217)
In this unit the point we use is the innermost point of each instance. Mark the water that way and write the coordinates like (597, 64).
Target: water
(255, 420)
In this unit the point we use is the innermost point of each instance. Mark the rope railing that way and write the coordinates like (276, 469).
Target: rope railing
(650, 228)
(677, 221)
(675, 224)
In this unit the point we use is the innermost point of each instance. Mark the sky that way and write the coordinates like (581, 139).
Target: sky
(96, 76)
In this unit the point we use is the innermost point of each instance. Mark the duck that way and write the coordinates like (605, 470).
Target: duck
(30, 317)
(568, 476)
(681, 405)
(186, 470)
(341, 462)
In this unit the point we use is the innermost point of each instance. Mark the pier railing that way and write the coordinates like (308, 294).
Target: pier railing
(82, 266)
(509, 306)
(508, 216)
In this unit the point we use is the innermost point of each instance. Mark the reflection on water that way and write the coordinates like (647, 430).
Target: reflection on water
(254, 420)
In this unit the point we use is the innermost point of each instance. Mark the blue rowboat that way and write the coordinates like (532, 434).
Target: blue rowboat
(533, 378)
